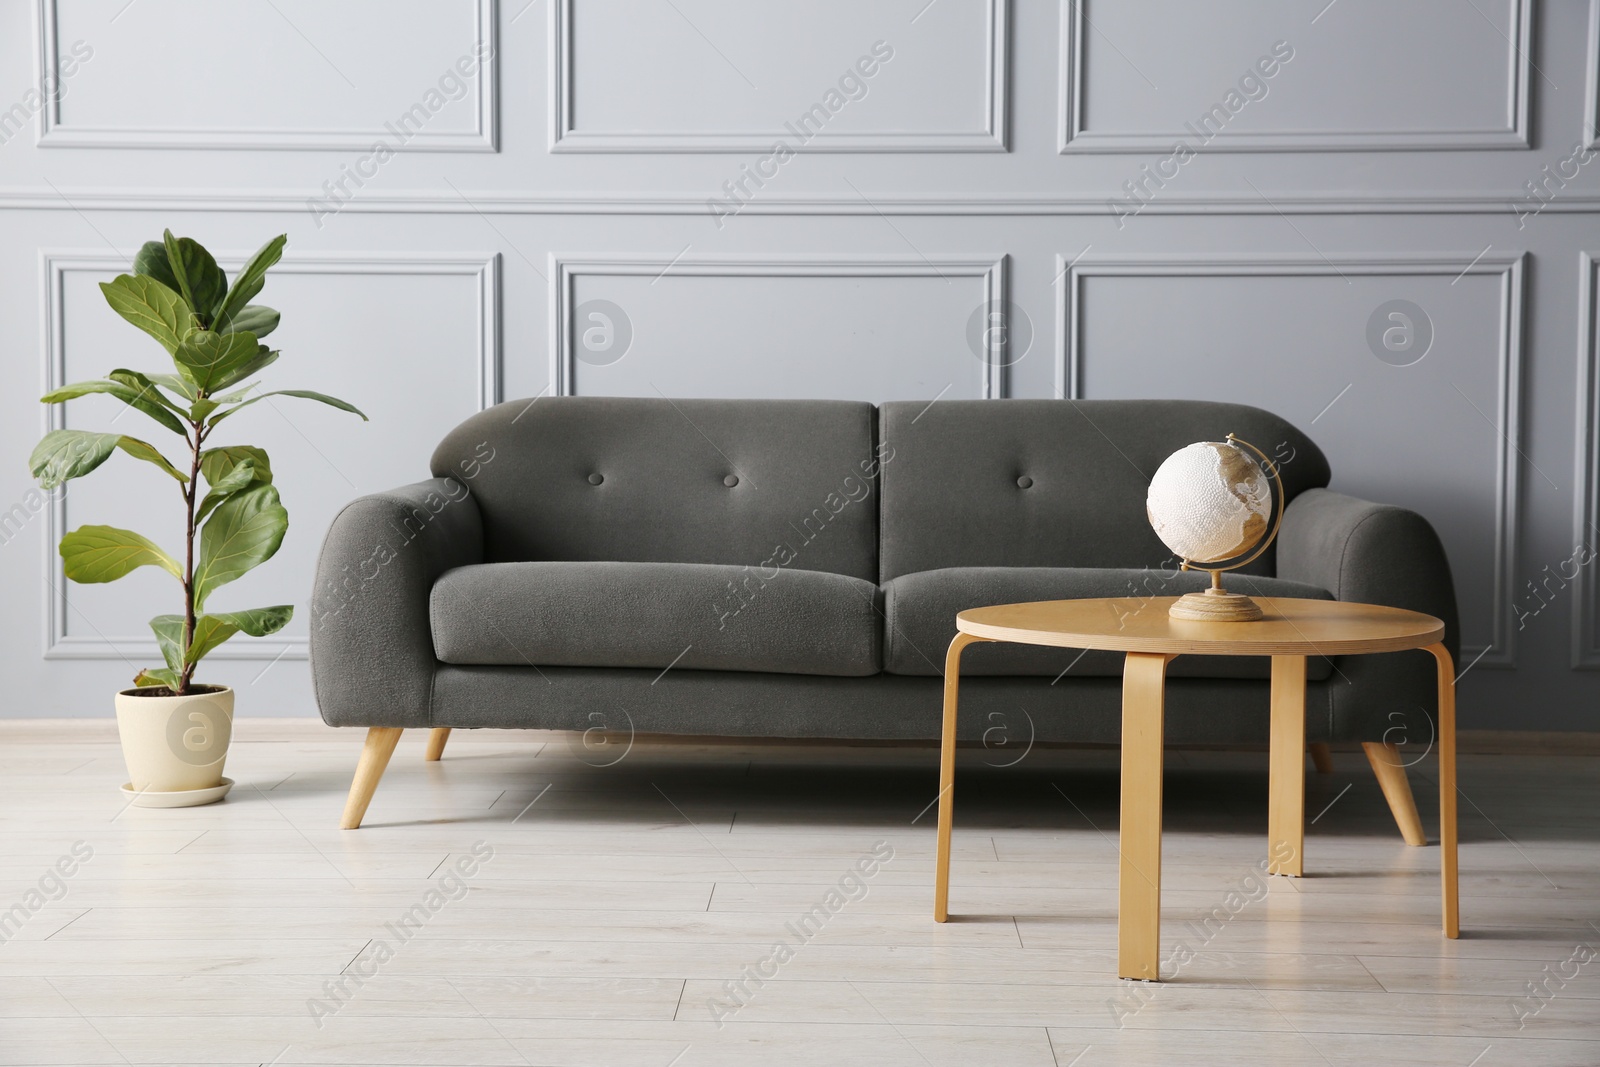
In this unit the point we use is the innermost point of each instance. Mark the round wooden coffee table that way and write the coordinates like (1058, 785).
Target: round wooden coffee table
(1292, 630)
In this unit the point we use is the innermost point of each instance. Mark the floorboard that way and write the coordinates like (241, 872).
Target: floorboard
(513, 904)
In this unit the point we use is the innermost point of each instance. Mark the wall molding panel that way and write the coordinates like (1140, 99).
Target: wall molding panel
(565, 136)
(1510, 446)
(55, 265)
(483, 137)
(1591, 96)
(1074, 138)
(566, 268)
(431, 202)
(1586, 468)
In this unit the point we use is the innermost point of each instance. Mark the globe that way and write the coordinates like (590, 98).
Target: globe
(1209, 502)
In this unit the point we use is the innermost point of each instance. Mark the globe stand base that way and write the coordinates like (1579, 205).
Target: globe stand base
(1216, 605)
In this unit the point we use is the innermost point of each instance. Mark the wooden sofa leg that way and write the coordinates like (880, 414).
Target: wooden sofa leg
(1321, 757)
(369, 770)
(436, 739)
(1391, 772)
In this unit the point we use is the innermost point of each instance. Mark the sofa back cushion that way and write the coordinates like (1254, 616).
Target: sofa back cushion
(762, 483)
(1050, 483)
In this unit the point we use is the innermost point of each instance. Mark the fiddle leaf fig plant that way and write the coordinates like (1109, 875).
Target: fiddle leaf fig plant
(178, 295)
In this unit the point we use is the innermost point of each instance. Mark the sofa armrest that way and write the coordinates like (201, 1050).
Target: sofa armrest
(1374, 554)
(372, 661)
(1371, 553)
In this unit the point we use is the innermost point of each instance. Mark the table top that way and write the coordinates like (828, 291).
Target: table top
(1292, 627)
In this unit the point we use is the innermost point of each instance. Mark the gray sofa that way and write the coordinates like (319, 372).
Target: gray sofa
(771, 568)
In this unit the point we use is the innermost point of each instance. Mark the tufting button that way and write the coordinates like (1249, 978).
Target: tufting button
(1024, 482)
(731, 480)
(595, 479)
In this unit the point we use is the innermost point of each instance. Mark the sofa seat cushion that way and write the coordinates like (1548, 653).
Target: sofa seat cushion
(689, 616)
(921, 612)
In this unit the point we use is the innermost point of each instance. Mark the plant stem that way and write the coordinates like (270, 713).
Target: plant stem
(188, 556)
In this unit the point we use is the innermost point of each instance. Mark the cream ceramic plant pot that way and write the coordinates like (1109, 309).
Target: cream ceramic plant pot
(175, 746)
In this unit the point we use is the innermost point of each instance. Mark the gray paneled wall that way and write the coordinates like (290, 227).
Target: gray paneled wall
(1377, 219)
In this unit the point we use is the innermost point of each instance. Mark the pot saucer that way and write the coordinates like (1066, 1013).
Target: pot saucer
(182, 798)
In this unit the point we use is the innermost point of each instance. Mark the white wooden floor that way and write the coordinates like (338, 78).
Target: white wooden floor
(620, 904)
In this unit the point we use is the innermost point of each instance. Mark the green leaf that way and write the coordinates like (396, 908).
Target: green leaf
(240, 477)
(93, 554)
(255, 318)
(263, 358)
(144, 450)
(258, 622)
(133, 396)
(217, 463)
(151, 262)
(238, 394)
(304, 394)
(77, 389)
(169, 638)
(249, 281)
(66, 454)
(177, 383)
(152, 307)
(244, 532)
(199, 278)
(159, 676)
(145, 387)
(207, 358)
(212, 629)
(201, 408)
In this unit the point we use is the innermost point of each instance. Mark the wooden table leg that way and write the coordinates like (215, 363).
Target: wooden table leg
(1286, 800)
(1139, 873)
(1447, 790)
(947, 776)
